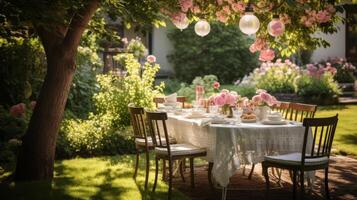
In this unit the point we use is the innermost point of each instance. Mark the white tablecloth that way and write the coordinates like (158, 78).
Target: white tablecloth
(230, 146)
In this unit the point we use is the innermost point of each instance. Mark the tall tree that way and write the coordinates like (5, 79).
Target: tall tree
(59, 25)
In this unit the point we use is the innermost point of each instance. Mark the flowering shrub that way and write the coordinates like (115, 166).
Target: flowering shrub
(137, 48)
(207, 81)
(314, 83)
(104, 132)
(278, 77)
(345, 71)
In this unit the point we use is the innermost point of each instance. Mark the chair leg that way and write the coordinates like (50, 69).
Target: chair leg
(164, 170)
(294, 184)
(210, 166)
(267, 183)
(326, 184)
(181, 170)
(302, 185)
(136, 164)
(147, 169)
(192, 173)
(251, 172)
(156, 173)
(170, 178)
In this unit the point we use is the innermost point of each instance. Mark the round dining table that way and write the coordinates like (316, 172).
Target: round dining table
(231, 145)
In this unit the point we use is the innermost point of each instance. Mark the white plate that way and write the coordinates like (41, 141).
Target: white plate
(267, 122)
(248, 120)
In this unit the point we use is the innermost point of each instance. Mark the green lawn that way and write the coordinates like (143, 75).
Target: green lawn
(92, 178)
(345, 141)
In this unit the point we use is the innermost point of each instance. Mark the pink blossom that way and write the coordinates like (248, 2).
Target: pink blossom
(227, 10)
(265, 96)
(231, 99)
(185, 5)
(257, 99)
(258, 45)
(266, 55)
(178, 17)
(18, 110)
(216, 85)
(219, 2)
(322, 16)
(196, 9)
(219, 100)
(32, 105)
(151, 59)
(330, 8)
(221, 16)
(238, 7)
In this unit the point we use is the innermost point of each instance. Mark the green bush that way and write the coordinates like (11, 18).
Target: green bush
(105, 131)
(276, 77)
(224, 53)
(22, 70)
(189, 91)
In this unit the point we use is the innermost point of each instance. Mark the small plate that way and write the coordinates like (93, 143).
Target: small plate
(268, 122)
(248, 120)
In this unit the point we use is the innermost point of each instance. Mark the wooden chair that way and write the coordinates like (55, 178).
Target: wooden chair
(299, 111)
(283, 108)
(323, 130)
(169, 152)
(142, 142)
(181, 99)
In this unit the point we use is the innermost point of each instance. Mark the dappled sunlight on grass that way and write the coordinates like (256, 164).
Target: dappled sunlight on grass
(346, 133)
(94, 178)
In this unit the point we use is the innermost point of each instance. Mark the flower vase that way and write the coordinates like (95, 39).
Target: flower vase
(262, 112)
(227, 110)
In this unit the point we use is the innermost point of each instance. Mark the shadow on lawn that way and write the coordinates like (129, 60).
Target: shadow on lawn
(333, 107)
(348, 138)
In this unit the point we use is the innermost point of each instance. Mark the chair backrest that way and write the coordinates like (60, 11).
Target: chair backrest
(299, 111)
(138, 122)
(283, 108)
(158, 129)
(181, 99)
(323, 131)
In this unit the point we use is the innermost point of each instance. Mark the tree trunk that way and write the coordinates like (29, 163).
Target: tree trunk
(36, 158)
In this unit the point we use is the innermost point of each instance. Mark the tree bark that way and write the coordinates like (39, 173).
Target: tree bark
(36, 157)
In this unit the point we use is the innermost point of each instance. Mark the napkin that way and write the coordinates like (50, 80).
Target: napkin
(172, 98)
(195, 115)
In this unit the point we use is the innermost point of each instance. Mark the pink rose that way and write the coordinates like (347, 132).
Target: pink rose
(18, 110)
(196, 9)
(238, 7)
(277, 28)
(216, 85)
(219, 100)
(219, 2)
(151, 59)
(177, 17)
(285, 18)
(185, 5)
(221, 16)
(323, 16)
(257, 99)
(231, 99)
(258, 45)
(266, 55)
(265, 97)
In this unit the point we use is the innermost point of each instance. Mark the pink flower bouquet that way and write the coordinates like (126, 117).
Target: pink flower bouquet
(264, 99)
(224, 98)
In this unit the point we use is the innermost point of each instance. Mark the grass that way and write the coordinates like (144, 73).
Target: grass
(92, 178)
(345, 141)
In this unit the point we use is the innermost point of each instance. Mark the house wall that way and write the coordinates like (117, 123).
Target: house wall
(337, 45)
(162, 47)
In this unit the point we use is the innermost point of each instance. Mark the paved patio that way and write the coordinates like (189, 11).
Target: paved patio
(343, 184)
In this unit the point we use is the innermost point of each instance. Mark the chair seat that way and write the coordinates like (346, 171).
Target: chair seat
(180, 150)
(141, 141)
(295, 159)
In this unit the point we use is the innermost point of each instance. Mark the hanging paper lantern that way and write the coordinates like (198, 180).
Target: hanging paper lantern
(249, 23)
(182, 24)
(202, 28)
(276, 27)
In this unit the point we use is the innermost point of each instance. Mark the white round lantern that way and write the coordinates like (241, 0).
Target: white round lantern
(202, 28)
(276, 27)
(249, 23)
(182, 24)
